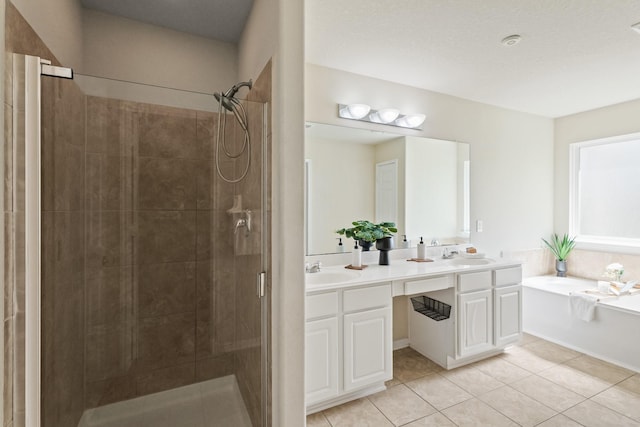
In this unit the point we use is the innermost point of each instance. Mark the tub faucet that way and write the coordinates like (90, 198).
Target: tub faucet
(313, 268)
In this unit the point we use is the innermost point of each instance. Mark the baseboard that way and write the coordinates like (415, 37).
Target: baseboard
(401, 343)
(317, 407)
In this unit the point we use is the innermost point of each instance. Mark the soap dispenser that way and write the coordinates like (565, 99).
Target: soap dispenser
(422, 250)
(340, 247)
(356, 256)
(404, 244)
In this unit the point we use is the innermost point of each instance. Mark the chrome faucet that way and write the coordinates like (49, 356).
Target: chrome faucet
(313, 268)
(448, 254)
(435, 242)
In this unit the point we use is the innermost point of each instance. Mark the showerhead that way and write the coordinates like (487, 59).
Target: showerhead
(224, 101)
(232, 92)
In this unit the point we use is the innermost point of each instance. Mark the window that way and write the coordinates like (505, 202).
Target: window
(605, 192)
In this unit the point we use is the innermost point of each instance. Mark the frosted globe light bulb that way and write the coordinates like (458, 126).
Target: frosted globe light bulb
(385, 115)
(355, 111)
(411, 120)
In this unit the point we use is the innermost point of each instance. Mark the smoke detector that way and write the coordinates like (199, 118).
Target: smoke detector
(511, 40)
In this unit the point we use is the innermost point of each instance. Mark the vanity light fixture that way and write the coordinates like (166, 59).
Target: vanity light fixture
(385, 116)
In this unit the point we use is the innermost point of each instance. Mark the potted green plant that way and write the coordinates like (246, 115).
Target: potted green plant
(367, 232)
(561, 248)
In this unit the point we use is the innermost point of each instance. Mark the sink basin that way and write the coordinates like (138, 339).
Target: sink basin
(471, 261)
(329, 277)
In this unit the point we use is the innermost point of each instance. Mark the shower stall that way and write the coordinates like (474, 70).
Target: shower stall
(144, 225)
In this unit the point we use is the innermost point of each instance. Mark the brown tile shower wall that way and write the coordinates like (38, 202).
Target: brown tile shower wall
(159, 253)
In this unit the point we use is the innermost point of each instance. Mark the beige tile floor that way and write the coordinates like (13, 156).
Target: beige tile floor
(536, 383)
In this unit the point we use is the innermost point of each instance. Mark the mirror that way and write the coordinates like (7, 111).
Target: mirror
(421, 184)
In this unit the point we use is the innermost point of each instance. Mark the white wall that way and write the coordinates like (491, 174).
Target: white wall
(331, 210)
(59, 24)
(619, 119)
(511, 152)
(123, 49)
(259, 39)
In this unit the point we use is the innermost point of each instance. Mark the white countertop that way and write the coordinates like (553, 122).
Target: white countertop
(400, 269)
(566, 285)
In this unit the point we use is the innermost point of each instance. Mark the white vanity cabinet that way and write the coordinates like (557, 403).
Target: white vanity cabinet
(349, 348)
(475, 323)
(508, 305)
(367, 336)
(321, 344)
(475, 313)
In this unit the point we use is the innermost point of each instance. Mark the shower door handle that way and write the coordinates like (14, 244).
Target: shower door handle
(261, 283)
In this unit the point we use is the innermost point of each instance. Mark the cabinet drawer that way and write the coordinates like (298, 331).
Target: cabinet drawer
(474, 281)
(508, 276)
(428, 285)
(369, 297)
(321, 305)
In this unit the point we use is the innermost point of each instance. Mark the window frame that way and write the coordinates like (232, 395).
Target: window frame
(594, 242)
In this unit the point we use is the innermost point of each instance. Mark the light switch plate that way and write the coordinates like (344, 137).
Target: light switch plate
(479, 225)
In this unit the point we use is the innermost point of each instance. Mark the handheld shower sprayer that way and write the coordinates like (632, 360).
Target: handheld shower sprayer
(228, 101)
(224, 101)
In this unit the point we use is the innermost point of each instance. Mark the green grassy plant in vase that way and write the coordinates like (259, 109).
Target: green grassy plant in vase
(561, 248)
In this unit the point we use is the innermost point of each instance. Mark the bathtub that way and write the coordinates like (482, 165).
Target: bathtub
(613, 335)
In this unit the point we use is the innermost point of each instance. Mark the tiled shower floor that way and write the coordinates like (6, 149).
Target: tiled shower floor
(213, 403)
(536, 383)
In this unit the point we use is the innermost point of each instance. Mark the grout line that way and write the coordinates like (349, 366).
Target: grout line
(379, 410)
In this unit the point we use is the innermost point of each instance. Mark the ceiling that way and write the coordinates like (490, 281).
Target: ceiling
(222, 20)
(575, 55)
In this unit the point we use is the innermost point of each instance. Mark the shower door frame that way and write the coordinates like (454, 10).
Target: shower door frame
(34, 70)
(32, 135)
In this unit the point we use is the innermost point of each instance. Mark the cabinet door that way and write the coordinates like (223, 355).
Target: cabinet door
(367, 348)
(321, 360)
(475, 322)
(508, 321)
